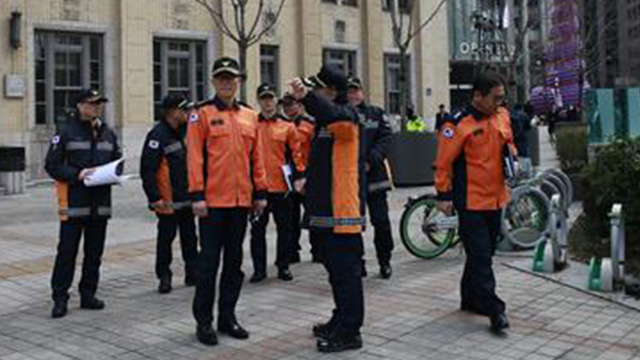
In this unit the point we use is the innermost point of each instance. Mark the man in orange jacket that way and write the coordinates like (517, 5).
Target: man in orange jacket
(335, 198)
(471, 179)
(305, 125)
(226, 180)
(280, 147)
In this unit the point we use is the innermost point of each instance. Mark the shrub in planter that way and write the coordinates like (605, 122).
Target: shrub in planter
(613, 177)
(571, 148)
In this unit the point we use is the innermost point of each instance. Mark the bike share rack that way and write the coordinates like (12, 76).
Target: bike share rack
(550, 254)
(605, 274)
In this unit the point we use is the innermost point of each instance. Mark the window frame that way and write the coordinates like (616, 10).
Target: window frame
(273, 57)
(48, 44)
(196, 88)
(351, 58)
(387, 81)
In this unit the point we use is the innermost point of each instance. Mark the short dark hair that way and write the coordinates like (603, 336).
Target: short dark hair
(486, 81)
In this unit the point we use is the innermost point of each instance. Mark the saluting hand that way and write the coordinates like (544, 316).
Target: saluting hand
(298, 89)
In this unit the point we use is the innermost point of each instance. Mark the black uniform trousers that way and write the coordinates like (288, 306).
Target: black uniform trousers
(71, 231)
(379, 215)
(168, 226)
(342, 258)
(479, 231)
(279, 206)
(297, 202)
(221, 233)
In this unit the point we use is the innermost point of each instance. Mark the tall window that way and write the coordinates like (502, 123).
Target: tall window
(392, 83)
(269, 68)
(345, 60)
(179, 66)
(65, 63)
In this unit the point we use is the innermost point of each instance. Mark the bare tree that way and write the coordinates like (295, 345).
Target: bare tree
(244, 31)
(403, 35)
(516, 53)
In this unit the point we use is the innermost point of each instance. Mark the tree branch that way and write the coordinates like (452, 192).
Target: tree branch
(218, 19)
(269, 26)
(256, 21)
(424, 24)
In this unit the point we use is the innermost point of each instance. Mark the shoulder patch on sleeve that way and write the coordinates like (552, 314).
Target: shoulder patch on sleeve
(194, 117)
(154, 144)
(448, 133)
(55, 140)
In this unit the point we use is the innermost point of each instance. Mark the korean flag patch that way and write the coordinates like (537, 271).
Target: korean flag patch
(55, 140)
(154, 144)
(448, 133)
(193, 117)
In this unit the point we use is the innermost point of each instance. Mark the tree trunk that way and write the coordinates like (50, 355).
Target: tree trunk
(405, 89)
(242, 51)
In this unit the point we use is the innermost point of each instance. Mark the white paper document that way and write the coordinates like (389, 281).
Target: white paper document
(107, 174)
(287, 171)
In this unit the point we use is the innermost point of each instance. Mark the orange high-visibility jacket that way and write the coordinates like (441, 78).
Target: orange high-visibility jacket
(306, 129)
(224, 152)
(470, 162)
(280, 145)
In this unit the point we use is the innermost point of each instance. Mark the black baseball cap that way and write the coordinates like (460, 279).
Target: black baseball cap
(354, 82)
(328, 77)
(227, 65)
(266, 90)
(90, 96)
(176, 101)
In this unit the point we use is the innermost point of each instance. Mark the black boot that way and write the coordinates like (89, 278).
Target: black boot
(285, 275)
(59, 309)
(165, 285)
(206, 335)
(340, 340)
(92, 303)
(231, 327)
(385, 270)
(499, 323)
(324, 330)
(258, 277)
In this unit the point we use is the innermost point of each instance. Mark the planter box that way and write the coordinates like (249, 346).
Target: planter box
(411, 158)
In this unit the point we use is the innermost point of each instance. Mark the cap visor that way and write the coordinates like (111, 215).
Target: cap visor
(267, 93)
(97, 100)
(228, 70)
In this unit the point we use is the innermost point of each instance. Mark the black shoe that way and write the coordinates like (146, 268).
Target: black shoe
(295, 258)
(285, 275)
(339, 341)
(165, 285)
(385, 271)
(257, 277)
(233, 329)
(59, 309)
(499, 323)
(190, 279)
(92, 303)
(323, 331)
(206, 335)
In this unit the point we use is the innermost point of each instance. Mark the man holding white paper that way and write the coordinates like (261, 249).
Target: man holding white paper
(82, 144)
